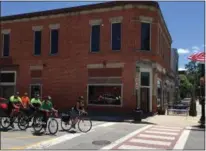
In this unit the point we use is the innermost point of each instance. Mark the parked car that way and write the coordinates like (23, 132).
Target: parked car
(109, 99)
(186, 101)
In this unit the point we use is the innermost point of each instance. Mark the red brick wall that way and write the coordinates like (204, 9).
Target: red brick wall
(65, 75)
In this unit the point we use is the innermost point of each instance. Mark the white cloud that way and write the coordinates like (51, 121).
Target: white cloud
(183, 51)
(195, 48)
(181, 69)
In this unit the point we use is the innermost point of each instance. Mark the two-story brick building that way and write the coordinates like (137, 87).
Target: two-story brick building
(115, 54)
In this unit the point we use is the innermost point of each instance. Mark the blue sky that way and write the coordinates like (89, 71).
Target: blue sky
(185, 21)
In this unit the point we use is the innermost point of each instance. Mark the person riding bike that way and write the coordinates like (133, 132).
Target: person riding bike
(25, 100)
(35, 102)
(77, 109)
(47, 106)
(14, 101)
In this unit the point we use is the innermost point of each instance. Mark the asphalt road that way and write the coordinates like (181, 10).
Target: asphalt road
(108, 135)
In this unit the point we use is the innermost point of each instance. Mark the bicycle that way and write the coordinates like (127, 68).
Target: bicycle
(81, 118)
(16, 115)
(38, 122)
(25, 119)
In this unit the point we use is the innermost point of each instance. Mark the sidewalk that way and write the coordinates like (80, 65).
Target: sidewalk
(179, 121)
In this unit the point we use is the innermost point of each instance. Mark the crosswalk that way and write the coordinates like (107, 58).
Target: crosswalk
(155, 137)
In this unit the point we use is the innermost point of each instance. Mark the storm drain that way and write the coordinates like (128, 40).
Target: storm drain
(101, 142)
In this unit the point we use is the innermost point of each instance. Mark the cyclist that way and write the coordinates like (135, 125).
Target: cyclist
(36, 102)
(76, 110)
(25, 100)
(14, 101)
(47, 107)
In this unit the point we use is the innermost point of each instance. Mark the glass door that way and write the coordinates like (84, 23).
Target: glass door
(145, 91)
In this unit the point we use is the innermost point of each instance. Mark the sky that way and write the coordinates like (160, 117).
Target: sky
(185, 21)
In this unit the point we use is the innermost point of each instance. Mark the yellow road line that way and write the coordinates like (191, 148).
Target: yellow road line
(24, 147)
(21, 137)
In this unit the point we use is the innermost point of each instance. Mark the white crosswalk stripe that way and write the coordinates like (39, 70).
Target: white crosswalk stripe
(152, 142)
(133, 147)
(158, 132)
(166, 129)
(156, 136)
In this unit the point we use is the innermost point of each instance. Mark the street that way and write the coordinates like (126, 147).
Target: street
(109, 135)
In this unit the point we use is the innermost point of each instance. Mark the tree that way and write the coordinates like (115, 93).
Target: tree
(193, 75)
(185, 86)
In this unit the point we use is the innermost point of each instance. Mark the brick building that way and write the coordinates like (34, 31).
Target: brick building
(115, 54)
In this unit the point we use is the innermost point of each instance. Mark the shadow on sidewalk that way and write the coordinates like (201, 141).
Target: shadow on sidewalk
(196, 128)
(120, 118)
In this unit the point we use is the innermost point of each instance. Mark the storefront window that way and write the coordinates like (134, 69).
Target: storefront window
(104, 95)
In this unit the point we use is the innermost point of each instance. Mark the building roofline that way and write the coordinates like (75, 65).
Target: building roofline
(77, 8)
(84, 8)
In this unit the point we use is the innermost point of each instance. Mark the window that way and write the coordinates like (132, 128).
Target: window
(35, 89)
(145, 79)
(104, 95)
(54, 41)
(6, 45)
(7, 77)
(116, 36)
(95, 38)
(37, 42)
(145, 36)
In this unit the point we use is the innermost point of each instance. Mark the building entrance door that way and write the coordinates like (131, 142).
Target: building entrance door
(145, 91)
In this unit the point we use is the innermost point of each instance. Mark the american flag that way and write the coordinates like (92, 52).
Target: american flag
(198, 57)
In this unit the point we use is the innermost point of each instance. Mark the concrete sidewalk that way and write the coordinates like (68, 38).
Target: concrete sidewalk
(179, 121)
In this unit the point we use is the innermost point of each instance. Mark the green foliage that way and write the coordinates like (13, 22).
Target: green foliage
(189, 83)
(185, 86)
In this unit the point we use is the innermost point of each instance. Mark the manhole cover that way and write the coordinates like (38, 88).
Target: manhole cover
(101, 142)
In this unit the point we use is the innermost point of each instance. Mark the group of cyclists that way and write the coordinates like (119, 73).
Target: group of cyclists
(44, 105)
(29, 106)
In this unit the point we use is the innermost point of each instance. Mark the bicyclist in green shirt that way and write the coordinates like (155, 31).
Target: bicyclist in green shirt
(36, 102)
(46, 107)
(13, 102)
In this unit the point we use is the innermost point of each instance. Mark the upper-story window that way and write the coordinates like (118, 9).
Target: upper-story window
(95, 38)
(54, 38)
(54, 41)
(37, 42)
(145, 36)
(116, 36)
(6, 45)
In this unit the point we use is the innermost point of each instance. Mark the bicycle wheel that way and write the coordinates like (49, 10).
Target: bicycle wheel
(85, 125)
(51, 124)
(23, 122)
(37, 124)
(5, 122)
(66, 125)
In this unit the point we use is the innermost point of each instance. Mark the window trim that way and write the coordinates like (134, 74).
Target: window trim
(2, 53)
(150, 44)
(9, 83)
(90, 49)
(116, 22)
(105, 84)
(34, 42)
